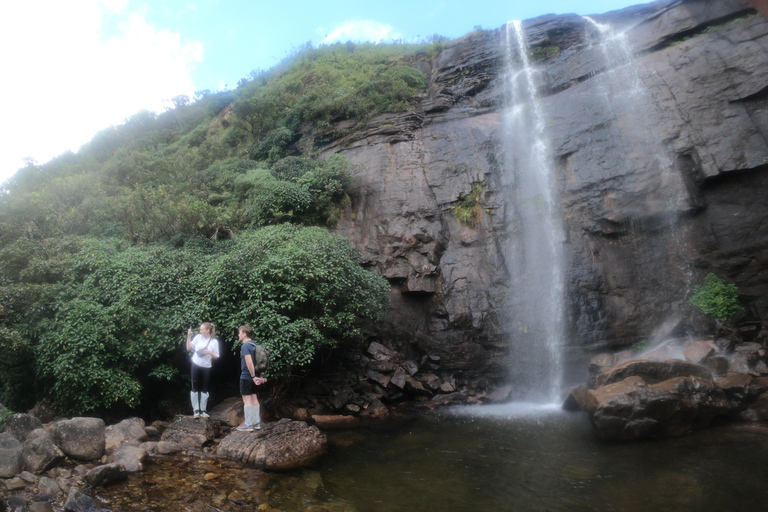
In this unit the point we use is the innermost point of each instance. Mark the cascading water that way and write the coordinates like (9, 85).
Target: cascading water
(534, 253)
(632, 111)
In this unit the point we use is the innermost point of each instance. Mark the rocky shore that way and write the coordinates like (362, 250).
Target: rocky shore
(64, 464)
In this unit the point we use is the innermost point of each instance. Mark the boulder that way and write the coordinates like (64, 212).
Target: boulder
(380, 352)
(229, 412)
(130, 457)
(20, 425)
(106, 473)
(633, 409)
(576, 399)
(191, 432)
(738, 364)
(131, 428)
(49, 487)
(651, 372)
(698, 351)
(336, 421)
(11, 456)
(15, 484)
(79, 502)
(758, 411)
(41, 506)
(717, 364)
(278, 446)
(735, 385)
(40, 452)
(80, 438)
(43, 411)
(167, 448)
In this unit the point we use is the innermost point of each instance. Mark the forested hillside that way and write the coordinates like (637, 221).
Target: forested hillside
(213, 210)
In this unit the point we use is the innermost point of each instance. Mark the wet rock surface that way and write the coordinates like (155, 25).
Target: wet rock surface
(278, 446)
(191, 432)
(643, 396)
(80, 438)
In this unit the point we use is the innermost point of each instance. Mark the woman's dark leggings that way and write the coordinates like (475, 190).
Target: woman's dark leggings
(201, 378)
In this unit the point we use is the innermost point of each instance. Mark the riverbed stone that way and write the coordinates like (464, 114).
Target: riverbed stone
(80, 438)
(278, 446)
(41, 506)
(117, 434)
(78, 501)
(106, 473)
(11, 456)
(49, 486)
(41, 452)
(132, 458)
(192, 432)
(167, 447)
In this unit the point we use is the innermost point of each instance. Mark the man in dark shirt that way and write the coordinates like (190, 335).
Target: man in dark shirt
(250, 378)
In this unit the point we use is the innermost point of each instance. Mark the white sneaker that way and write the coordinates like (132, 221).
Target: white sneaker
(245, 428)
(204, 414)
(196, 415)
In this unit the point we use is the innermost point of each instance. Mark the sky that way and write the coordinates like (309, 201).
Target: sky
(72, 68)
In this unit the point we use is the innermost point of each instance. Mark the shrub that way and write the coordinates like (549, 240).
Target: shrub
(122, 312)
(716, 298)
(468, 211)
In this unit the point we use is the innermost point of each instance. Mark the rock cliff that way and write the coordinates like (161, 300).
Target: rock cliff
(661, 158)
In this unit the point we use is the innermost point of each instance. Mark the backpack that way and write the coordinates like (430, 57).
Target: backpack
(260, 357)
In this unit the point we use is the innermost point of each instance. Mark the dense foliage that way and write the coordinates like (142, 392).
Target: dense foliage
(169, 219)
(716, 298)
(110, 326)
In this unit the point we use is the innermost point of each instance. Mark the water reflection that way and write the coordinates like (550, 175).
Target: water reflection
(547, 461)
(512, 457)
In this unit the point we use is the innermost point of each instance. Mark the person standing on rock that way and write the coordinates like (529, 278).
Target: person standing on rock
(205, 348)
(253, 361)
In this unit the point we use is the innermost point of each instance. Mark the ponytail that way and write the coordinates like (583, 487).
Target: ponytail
(212, 328)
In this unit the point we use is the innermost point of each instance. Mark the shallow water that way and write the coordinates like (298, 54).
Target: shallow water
(491, 458)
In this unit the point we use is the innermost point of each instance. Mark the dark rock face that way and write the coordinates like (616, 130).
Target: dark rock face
(649, 184)
(278, 446)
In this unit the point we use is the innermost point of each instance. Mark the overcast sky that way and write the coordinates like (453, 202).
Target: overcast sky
(71, 68)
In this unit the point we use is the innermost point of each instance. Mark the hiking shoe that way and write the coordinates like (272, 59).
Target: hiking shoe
(245, 428)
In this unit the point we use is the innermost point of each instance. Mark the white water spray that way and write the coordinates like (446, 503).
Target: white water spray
(534, 253)
(633, 115)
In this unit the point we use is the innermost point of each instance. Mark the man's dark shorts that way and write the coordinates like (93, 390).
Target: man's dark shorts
(247, 387)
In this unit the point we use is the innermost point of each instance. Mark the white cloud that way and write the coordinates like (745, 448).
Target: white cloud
(362, 30)
(64, 80)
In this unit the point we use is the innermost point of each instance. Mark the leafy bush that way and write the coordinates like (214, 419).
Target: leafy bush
(468, 211)
(121, 311)
(716, 298)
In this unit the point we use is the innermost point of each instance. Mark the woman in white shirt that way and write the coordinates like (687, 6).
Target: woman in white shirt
(205, 348)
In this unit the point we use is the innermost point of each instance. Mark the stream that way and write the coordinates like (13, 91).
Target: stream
(479, 458)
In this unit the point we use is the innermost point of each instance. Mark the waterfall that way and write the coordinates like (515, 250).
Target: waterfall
(534, 253)
(633, 117)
